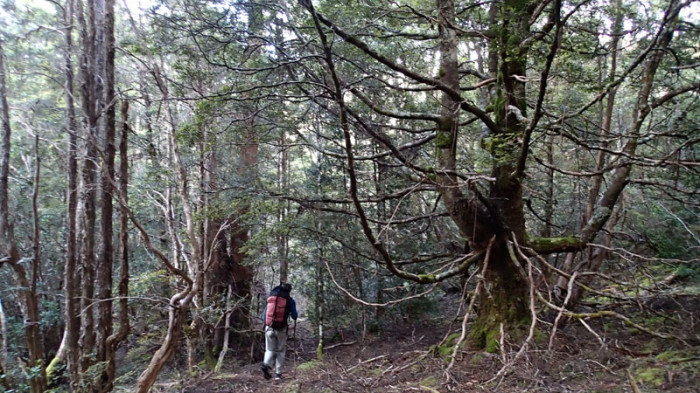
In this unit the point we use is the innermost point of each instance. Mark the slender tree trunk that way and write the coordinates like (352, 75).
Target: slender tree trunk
(123, 287)
(176, 319)
(380, 312)
(320, 307)
(620, 176)
(282, 236)
(227, 326)
(39, 383)
(86, 208)
(108, 131)
(10, 254)
(610, 105)
(215, 247)
(70, 275)
(4, 358)
(606, 121)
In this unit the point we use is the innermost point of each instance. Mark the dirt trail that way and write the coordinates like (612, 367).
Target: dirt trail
(404, 360)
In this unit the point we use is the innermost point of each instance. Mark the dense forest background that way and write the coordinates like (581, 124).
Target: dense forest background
(164, 164)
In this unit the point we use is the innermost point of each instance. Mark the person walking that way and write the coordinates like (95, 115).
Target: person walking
(279, 307)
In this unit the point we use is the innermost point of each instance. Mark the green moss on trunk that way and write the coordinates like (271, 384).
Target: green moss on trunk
(443, 140)
(552, 244)
(504, 300)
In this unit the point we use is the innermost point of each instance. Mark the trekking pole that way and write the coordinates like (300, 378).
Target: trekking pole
(294, 340)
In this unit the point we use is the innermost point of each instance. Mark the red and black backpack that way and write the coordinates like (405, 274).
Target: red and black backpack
(276, 312)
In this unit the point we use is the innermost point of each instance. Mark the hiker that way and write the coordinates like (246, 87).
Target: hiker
(279, 307)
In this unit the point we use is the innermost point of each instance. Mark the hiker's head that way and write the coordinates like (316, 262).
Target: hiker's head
(285, 286)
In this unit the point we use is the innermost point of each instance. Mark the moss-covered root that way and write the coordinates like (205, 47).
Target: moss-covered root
(447, 348)
(486, 338)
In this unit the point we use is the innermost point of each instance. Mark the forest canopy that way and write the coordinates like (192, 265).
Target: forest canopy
(164, 164)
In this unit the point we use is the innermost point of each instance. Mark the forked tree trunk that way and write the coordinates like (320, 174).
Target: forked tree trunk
(506, 300)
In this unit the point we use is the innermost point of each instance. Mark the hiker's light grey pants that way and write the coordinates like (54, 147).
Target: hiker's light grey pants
(275, 344)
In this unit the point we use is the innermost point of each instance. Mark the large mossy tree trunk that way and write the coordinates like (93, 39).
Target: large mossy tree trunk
(502, 301)
(504, 298)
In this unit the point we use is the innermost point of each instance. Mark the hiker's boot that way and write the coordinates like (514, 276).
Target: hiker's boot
(266, 371)
(278, 377)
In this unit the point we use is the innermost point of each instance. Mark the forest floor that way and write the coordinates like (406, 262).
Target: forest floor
(404, 359)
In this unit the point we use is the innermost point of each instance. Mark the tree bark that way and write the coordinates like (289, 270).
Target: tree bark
(123, 287)
(106, 260)
(86, 204)
(70, 276)
(319, 301)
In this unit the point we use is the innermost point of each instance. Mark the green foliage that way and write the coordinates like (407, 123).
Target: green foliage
(51, 313)
(690, 272)
(150, 283)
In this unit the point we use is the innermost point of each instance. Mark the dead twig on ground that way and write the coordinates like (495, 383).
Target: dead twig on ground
(561, 313)
(365, 362)
(418, 359)
(633, 383)
(340, 345)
